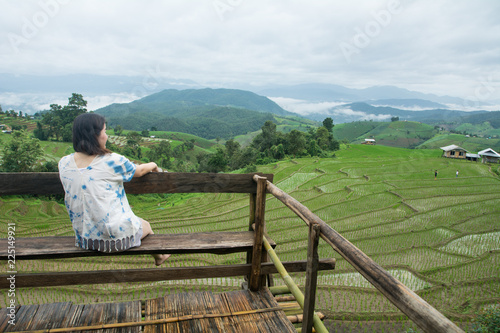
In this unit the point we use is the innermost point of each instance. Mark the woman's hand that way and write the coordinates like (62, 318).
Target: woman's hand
(145, 168)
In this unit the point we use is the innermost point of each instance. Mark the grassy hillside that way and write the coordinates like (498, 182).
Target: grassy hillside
(439, 237)
(472, 144)
(354, 130)
(483, 129)
(404, 134)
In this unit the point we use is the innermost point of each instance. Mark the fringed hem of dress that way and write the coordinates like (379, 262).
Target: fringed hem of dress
(107, 245)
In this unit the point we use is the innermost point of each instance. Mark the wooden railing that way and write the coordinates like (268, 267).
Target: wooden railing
(419, 311)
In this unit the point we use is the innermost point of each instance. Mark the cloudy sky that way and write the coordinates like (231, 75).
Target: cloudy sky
(432, 46)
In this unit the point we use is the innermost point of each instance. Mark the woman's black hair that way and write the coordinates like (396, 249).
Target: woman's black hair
(86, 129)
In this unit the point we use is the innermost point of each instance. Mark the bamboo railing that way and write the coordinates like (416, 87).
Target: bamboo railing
(418, 310)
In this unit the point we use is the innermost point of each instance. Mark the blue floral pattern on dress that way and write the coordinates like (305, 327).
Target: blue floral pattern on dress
(96, 202)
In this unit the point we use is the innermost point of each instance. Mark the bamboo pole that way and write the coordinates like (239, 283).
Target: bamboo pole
(419, 311)
(284, 298)
(153, 322)
(279, 290)
(294, 289)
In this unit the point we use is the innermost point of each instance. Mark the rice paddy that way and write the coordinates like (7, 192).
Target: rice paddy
(439, 237)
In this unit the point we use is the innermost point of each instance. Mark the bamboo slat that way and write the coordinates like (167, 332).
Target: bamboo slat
(238, 311)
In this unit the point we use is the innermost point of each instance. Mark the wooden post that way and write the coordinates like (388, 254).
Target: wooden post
(260, 202)
(311, 277)
(251, 222)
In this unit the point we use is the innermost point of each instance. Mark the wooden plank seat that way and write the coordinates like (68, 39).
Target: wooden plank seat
(202, 242)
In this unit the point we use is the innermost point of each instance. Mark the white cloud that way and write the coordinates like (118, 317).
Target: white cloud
(304, 107)
(359, 114)
(442, 47)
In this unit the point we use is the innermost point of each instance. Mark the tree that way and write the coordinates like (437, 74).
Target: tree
(40, 133)
(161, 153)
(133, 139)
(313, 148)
(60, 119)
(395, 118)
(21, 153)
(53, 120)
(232, 148)
(267, 138)
(328, 124)
(323, 137)
(296, 143)
(278, 152)
(145, 133)
(217, 162)
(1, 111)
(118, 130)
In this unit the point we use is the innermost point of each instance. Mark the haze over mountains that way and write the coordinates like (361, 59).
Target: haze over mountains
(315, 101)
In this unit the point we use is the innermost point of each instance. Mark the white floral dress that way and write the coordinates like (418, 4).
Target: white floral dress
(97, 205)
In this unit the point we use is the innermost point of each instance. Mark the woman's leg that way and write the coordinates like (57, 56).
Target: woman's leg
(147, 230)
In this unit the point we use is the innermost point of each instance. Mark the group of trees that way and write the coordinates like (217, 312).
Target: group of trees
(58, 120)
(12, 113)
(22, 154)
(269, 146)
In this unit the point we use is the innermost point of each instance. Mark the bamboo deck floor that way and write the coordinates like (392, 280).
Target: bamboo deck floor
(235, 311)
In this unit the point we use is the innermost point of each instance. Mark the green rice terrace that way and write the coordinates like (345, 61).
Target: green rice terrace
(440, 237)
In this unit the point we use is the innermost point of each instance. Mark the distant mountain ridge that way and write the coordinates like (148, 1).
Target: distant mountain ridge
(188, 102)
(208, 113)
(363, 111)
(413, 103)
(316, 92)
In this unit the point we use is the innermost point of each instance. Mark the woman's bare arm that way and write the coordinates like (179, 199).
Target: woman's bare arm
(145, 168)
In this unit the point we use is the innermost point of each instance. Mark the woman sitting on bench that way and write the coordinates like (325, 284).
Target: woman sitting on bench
(95, 198)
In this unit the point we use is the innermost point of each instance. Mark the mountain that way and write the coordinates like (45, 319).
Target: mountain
(89, 84)
(413, 103)
(187, 103)
(315, 92)
(492, 117)
(208, 113)
(363, 111)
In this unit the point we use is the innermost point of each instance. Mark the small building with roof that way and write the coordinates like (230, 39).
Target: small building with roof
(472, 157)
(454, 151)
(368, 142)
(488, 155)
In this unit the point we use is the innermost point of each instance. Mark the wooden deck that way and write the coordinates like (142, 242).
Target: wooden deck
(235, 311)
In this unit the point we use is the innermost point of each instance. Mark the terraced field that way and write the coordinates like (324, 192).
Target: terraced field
(439, 237)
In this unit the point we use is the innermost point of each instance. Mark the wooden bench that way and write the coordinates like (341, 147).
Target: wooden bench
(220, 243)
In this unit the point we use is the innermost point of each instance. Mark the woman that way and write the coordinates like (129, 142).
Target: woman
(95, 198)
